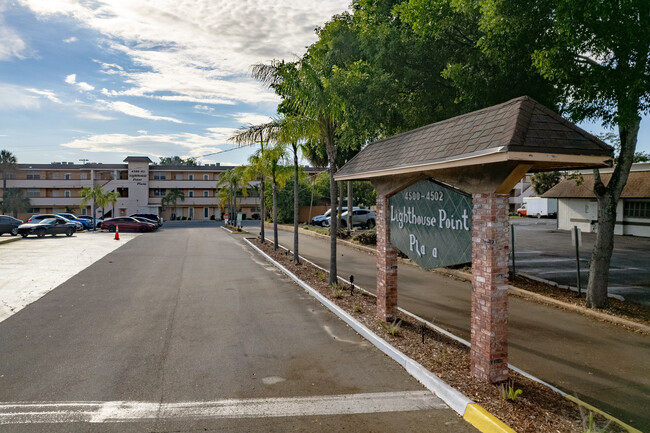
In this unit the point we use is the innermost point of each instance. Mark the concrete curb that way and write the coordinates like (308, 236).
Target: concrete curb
(470, 411)
(13, 239)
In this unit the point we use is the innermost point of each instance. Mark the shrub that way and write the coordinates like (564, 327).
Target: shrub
(367, 238)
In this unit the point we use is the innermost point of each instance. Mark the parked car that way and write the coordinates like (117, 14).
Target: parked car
(98, 221)
(147, 220)
(321, 220)
(74, 218)
(127, 224)
(149, 216)
(37, 218)
(360, 217)
(327, 222)
(47, 226)
(9, 224)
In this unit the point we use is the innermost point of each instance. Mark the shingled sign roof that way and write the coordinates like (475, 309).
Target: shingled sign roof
(637, 186)
(505, 132)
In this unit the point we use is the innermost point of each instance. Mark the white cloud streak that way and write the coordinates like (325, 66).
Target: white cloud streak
(132, 110)
(156, 145)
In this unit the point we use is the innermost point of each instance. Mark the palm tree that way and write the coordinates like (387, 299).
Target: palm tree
(233, 180)
(8, 164)
(294, 129)
(248, 136)
(270, 161)
(172, 197)
(97, 197)
(310, 93)
(14, 201)
(111, 197)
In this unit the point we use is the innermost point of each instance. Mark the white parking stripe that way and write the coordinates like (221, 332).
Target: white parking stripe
(126, 411)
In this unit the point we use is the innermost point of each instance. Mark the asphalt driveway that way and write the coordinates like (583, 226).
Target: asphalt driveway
(189, 330)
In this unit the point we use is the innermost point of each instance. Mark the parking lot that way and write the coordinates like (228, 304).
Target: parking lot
(545, 252)
(33, 266)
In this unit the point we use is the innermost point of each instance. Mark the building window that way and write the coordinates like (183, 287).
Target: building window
(83, 176)
(205, 213)
(206, 177)
(206, 193)
(191, 213)
(123, 192)
(66, 176)
(55, 193)
(179, 176)
(190, 194)
(32, 193)
(159, 191)
(216, 176)
(636, 209)
(33, 176)
(56, 176)
(191, 177)
(159, 176)
(34, 210)
(67, 193)
(10, 176)
(83, 211)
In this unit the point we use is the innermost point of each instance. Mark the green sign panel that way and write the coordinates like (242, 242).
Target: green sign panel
(432, 224)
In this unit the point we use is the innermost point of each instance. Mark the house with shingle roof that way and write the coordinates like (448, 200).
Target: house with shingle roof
(577, 205)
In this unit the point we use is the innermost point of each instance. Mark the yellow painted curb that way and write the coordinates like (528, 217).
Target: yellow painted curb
(484, 421)
(605, 414)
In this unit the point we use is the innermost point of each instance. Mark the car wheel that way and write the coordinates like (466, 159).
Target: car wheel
(40, 233)
(344, 224)
(143, 229)
(519, 214)
(111, 229)
(23, 235)
(14, 231)
(371, 223)
(69, 232)
(539, 215)
(325, 224)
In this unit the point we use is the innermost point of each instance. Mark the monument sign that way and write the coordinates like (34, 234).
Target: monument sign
(432, 224)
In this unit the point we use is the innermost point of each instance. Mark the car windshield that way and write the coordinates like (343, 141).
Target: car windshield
(47, 221)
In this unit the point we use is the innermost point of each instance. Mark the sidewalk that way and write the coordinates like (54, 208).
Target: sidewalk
(602, 364)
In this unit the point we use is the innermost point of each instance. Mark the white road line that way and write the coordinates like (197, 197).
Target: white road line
(133, 411)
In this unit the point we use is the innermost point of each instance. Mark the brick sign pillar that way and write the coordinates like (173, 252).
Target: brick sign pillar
(489, 336)
(386, 263)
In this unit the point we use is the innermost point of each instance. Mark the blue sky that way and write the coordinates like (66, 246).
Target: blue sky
(100, 80)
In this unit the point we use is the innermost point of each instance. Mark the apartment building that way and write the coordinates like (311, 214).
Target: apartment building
(56, 187)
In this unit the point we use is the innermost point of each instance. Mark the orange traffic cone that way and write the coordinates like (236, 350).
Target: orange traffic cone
(117, 233)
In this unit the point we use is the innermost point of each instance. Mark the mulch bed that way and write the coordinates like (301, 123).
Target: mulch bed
(537, 409)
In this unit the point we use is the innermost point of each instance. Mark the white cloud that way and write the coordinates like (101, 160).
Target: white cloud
(251, 118)
(17, 98)
(94, 116)
(12, 45)
(197, 51)
(203, 108)
(72, 79)
(156, 145)
(142, 131)
(70, 40)
(45, 93)
(132, 110)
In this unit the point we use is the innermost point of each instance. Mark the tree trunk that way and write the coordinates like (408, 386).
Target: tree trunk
(608, 197)
(330, 147)
(340, 203)
(350, 207)
(275, 214)
(262, 211)
(296, 205)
